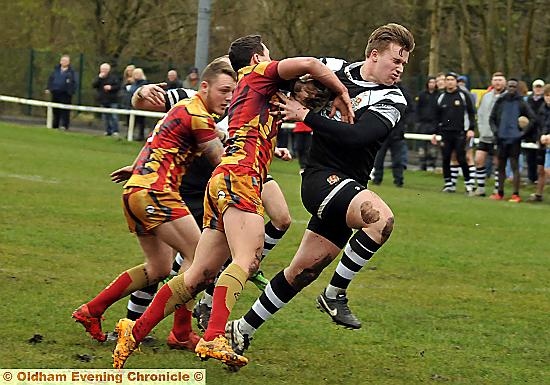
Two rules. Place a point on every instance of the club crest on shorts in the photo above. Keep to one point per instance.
(150, 209)
(221, 194)
(333, 179)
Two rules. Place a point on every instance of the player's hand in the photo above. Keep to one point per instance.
(289, 109)
(153, 93)
(282, 153)
(470, 134)
(342, 103)
(434, 139)
(545, 139)
(122, 174)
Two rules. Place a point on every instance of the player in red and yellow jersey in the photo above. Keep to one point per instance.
(233, 220)
(153, 207)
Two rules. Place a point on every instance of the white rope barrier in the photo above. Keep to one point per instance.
(133, 113)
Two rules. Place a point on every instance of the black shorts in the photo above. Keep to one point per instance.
(509, 150)
(195, 203)
(326, 195)
(489, 148)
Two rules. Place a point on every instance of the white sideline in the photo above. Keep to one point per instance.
(133, 113)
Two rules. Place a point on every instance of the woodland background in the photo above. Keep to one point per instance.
(473, 37)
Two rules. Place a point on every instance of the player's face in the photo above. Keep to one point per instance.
(390, 63)
(498, 83)
(219, 93)
(547, 99)
(431, 84)
(450, 83)
(64, 61)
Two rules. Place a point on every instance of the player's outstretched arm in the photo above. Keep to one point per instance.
(213, 150)
(150, 97)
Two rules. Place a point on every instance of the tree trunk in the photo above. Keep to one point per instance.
(433, 66)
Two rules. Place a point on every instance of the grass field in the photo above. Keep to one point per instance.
(459, 295)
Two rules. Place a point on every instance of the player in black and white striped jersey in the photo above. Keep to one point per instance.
(334, 185)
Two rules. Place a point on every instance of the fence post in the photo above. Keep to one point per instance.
(49, 117)
(31, 75)
(80, 74)
(131, 123)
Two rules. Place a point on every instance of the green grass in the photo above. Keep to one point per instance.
(459, 295)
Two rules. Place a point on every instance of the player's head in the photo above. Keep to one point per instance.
(451, 81)
(440, 81)
(498, 81)
(218, 81)
(247, 50)
(388, 51)
(311, 93)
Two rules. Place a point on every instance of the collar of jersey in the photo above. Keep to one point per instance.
(362, 83)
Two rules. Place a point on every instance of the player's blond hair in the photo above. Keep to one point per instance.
(383, 36)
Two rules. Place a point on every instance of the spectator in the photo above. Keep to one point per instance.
(486, 144)
(440, 81)
(543, 153)
(504, 123)
(172, 80)
(127, 81)
(535, 101)
(192, 79)
(62, 84)
(426, 122)
(107, 86)
(452, 107)
(139, 80)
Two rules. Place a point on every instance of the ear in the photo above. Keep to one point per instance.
(204, 86)
(374, 55)
(255, 58)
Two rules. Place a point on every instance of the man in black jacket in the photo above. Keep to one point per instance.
(535, 101)
(452, 105)
(62, 85)
(426, 117)
(107, 85)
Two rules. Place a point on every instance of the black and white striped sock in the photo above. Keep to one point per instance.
(275, 296)
(357, 252)
(272, 236)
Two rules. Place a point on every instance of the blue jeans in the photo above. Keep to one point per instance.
(110, 120)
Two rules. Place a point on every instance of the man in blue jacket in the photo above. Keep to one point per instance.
(505, 124)
(62, 84)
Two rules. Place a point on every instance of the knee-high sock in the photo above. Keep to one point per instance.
(182, 322)
(275, 296)
(172, 295)
(272, 236)
(228, 288)
(481, 174)
(127, 282)
(357, 252)
(454, 174)
(139, 300)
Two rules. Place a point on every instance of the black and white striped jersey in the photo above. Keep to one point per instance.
(175, 95)
(351, 148)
